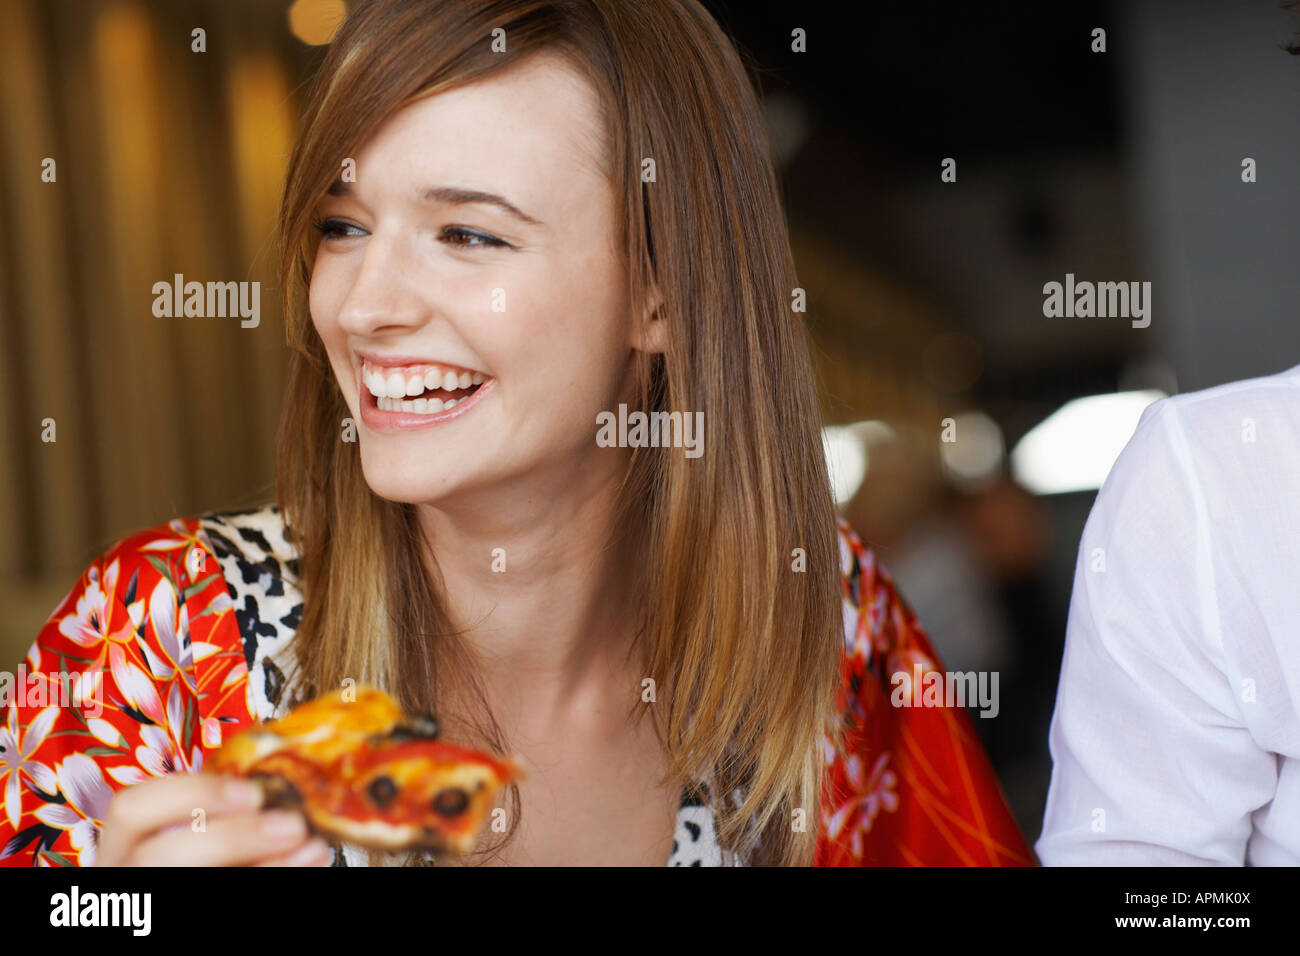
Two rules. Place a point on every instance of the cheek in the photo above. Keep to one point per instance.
(568, 351)
(574, 323)
(561, 353)
(323, 302)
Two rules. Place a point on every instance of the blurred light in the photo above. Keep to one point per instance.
(1074, 448)
(848, 453)
(848, 450)
(1148, 373)
(846, 458)
(260, 133)
(874, 433)
(314, 22)
(974, 459)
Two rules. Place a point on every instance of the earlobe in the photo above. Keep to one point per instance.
(655, 334)
(652, 332)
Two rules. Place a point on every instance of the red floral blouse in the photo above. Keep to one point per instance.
(150, 663)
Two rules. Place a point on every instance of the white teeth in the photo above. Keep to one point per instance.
(392, 390)
(451, 402)
(419, 406)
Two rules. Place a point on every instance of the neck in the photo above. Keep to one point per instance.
(543, 589)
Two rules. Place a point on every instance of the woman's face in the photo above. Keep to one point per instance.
(424, 284)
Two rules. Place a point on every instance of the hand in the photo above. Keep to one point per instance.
(151, 824)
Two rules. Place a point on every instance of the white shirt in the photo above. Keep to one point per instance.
(1176, 739)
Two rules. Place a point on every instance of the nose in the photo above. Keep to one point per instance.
(385, 294)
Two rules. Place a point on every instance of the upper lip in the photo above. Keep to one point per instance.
(396, 361)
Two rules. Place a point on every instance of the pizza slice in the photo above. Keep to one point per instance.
(364, 772)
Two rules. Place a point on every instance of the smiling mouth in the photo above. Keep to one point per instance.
(419, 389)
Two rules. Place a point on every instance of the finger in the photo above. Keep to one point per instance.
(315, 852)
(138, 811)
(226, 841)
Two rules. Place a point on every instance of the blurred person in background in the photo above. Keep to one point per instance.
(970, 561)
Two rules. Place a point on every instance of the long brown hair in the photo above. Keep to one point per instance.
(743, 625)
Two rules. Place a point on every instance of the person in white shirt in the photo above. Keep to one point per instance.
(1176, 739)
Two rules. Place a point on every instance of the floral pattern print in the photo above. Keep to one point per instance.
(147, 653)
(156, 667)
(915, 787)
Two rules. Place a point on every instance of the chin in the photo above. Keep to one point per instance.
(406, 483)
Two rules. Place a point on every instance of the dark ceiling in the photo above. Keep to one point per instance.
(913, 77)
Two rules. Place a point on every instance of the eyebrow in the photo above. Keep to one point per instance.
(452, 195)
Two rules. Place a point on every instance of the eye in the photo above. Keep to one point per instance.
(337, 229)
(451, 802)
(467, 238)
(382, 791)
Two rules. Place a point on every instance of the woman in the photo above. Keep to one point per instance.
(503, 224)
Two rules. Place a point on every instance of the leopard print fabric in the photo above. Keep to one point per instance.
(261, 572)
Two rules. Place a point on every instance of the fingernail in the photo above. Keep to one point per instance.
(315, 852)
(243, 794)
(284, 824)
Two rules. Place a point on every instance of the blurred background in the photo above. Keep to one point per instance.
(967, 431)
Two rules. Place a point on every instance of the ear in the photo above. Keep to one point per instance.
(650, 333)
